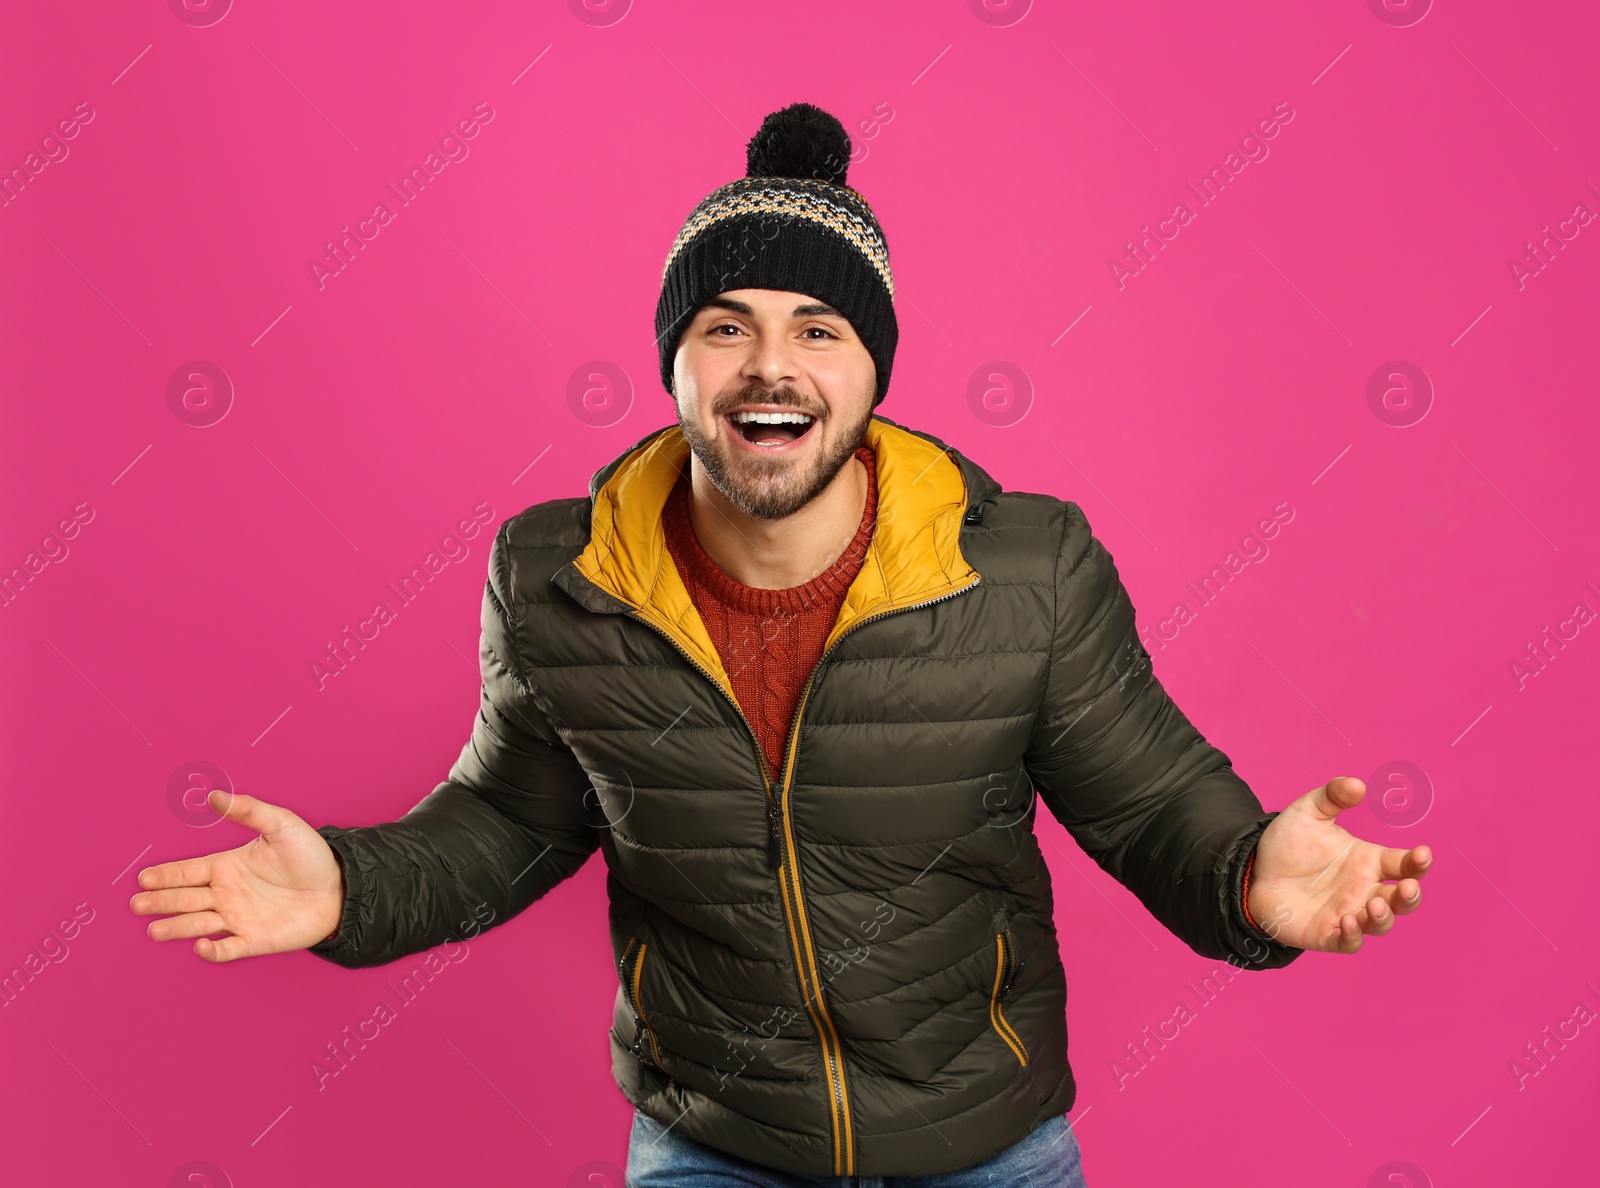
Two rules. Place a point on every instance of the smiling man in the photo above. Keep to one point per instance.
(773, 465)
(803, 677)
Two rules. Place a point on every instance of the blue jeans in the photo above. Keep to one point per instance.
(659, 1158)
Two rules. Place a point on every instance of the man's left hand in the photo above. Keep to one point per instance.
(1315, 886)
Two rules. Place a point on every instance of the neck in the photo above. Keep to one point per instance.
(777, 554)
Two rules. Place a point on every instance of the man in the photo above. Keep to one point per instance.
(797, 672)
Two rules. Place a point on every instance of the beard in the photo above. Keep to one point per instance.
(772, 488)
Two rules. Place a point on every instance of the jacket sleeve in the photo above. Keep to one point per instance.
(505, 827)
(1141, 791)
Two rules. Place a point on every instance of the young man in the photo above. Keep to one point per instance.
(798, 672)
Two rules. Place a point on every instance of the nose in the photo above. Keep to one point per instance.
(771, 361)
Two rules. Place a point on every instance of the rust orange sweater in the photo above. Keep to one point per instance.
(769, 640)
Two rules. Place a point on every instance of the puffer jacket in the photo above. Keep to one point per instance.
(852, 970)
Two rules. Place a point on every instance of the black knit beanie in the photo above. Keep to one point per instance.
(790, 224)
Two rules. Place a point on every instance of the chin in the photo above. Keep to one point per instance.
(772, 482)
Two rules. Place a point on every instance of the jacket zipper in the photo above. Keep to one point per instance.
(631, 971)
(820, 1023)
(844, 1155)
(781, 857)
(1005, 975)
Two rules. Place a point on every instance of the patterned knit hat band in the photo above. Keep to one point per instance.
(790, 225)
(777, 201)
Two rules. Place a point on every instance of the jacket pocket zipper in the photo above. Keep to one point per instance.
(631, 967)
(1005, 975)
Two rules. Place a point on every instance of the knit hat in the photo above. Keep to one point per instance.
(790, 224)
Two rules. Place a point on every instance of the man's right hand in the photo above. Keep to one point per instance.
(277, 893)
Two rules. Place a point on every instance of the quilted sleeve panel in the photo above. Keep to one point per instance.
(1136, 784)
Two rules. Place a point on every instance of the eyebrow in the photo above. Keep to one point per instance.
(800, 311)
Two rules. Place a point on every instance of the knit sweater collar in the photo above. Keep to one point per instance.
(828, 587)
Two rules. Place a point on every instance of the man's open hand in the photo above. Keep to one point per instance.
(276, 893)
(1315, 886)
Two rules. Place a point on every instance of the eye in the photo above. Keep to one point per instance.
(823, 329)
(723, 326)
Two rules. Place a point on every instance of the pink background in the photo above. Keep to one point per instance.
(1009, 164)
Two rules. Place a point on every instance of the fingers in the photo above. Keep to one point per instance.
(1395, 863)
(250, 812)
(235, 806)
(183, 927)
(1349, 938)
(1387, 904)
(1374, 920)
(167, 903)
(1377, 917)
(228, 948)
(191, 872)
(1380, 917)
(1338, 794)
(1403, 896)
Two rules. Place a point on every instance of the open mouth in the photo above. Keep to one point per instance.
(771, 430)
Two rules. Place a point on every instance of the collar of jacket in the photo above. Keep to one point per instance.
(926, 491)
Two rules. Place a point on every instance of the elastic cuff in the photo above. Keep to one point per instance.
(350, 915)
(338, 858)
(1244, 892)
(1261, 949)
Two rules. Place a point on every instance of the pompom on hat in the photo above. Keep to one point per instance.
(791, 224)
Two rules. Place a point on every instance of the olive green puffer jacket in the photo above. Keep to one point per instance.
(853, 970)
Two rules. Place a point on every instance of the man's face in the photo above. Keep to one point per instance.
(774, 395)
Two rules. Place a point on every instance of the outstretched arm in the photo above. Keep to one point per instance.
(504, 828)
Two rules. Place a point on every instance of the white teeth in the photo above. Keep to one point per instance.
(765, 418)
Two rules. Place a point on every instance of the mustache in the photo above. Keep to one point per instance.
(783, 396)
